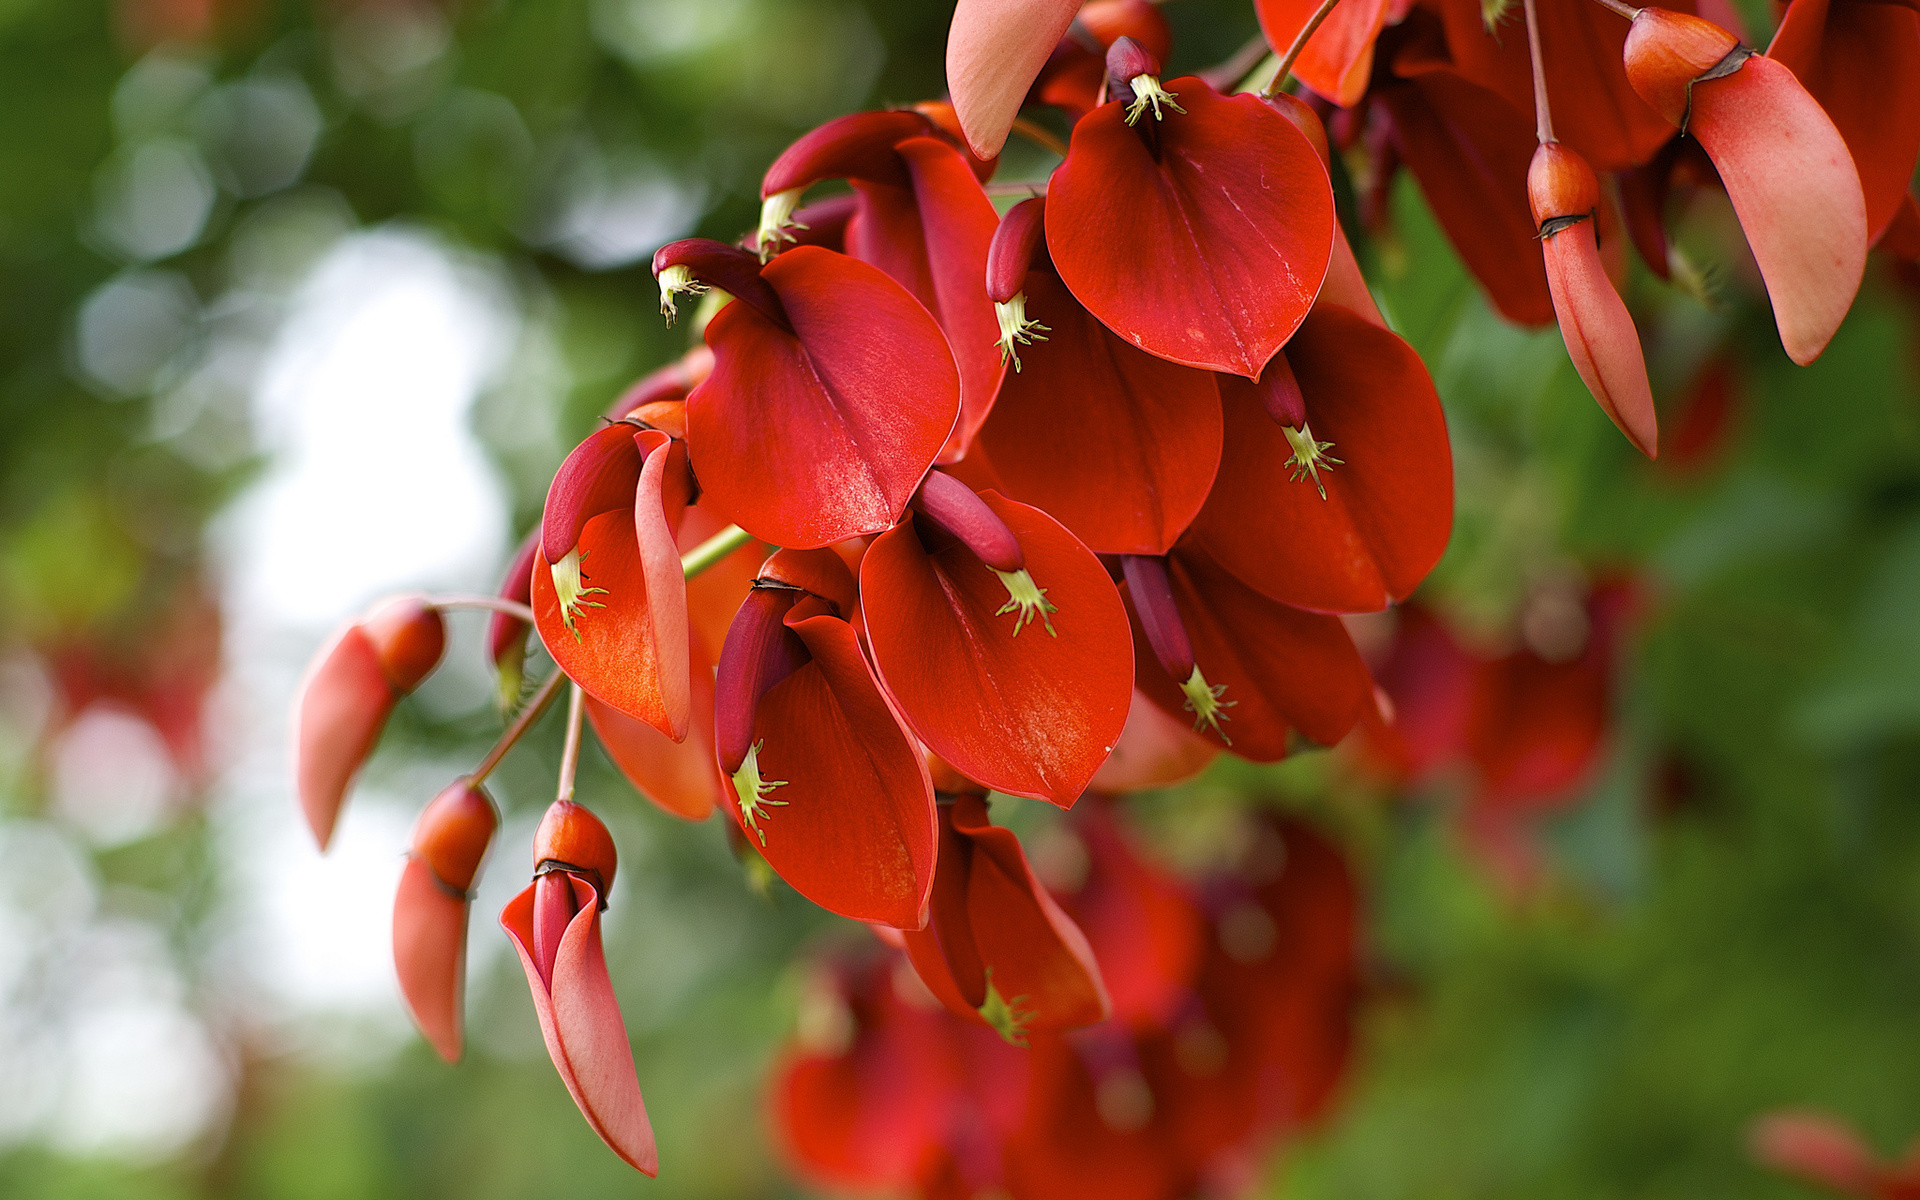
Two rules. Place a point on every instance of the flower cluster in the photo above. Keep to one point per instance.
(954, 501)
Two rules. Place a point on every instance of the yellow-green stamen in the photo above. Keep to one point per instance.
(1147, 91)
(1008, 1019)
(776, 217)
(753, 791)
(1309, 456)
(1204, 702)
(1016, 326)
(1026, 600)
(675, 281)
(569, 587)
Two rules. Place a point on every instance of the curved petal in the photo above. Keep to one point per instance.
(1207, 249)
(1115, 444)
(1145, 930)
(680, 777)
(585, 1035)
(1795, 189)
(931, 236)
(1068, 1148)
(1861, 61)
(627, 643)
(1388, 509)
(853, 826)
(1154, 751)
(430, 954)
(994, 50)
(1428, 680)
(714, 595)
(343, 704)
(1600, 335)
(1022, 712)
(862, 391)
(1338, 58)
(1279, 667)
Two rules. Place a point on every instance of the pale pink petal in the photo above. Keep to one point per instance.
(994, 50)
(1599, 333)
(430, 954)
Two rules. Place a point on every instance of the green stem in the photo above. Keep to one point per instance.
(529, 716)
(715, 548)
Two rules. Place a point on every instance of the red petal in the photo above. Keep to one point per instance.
(1281, 667)
(994, 50)
(862, 393)
(343, 704)
(430, 954)
(855, 831)
(581, 1023)
(597, 477)
(1209, 254)
(1388, 509)
(1068, 1149)
(1599, 333)
(1345, 285)
(931, 236)
(1154, 751)
(1143, 926)
(1817, 1147)
(1595, 110)
(1861, 61)
(1469, 150)
(855, 146)
(1028, 714)
(714, 595)
(1797, 194)
(1115, 444)
(1429, 681)
(680, 777)
(629, 647)
(1338, 58)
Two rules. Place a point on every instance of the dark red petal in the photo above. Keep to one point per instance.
(1428, 680)
(945, 954)
(1067, 1148)
(599, 476)
(1119, 446)
(585, 1035)
(1211, 253)
(1388, 509)
(1032, 713)
(852, 825)
(856, 146)
(1469, 150)
(1338, 58)
(1537, 727)
(1861, 61)
(931, 235)
(628, 644)
(809, 437)
(430, 954)
(507, 636)
(714, 595)
(1141, 921)
(1280, 666)
(342, 705)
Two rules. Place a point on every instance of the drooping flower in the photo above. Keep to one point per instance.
(1117, 445)
(1335, 490)
(611, 603)
(431, 907)
(812, 427)
(1194, 225)
(555, 928)
(349, 691)
(1001, 638)
(996, 948)
(818, 772)
(919, 215)
(1598, 331)
(1785, 167)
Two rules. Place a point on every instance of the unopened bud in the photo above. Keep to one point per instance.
(1668, 52)
(453, 834)
(408, 637)
(1560, 185)
(571, 838)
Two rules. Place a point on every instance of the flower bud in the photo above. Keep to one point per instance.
(453, 833)
(408, 637)
(1667, 52)
(1560, 184)
(571, 838)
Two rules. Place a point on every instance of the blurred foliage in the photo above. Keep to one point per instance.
(1731, 920)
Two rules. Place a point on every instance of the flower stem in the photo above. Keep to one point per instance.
(1224, 76)
(570, 749)
(1542, 113)
(499, 604)
(1279, 80)
(1040, 136)
(715, 548)
(529, 716)
(1626, 10)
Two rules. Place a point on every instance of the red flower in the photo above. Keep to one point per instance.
(555, 927)
(430, 910)
(1349, 410)
(1337, 60)
(996, 947)
(348, 693)
(920, 216)
(812, 427)
(818, 771)
(1196, 226)
(1002, 640)
(1117, 445)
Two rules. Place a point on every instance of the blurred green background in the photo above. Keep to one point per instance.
(1729, 918)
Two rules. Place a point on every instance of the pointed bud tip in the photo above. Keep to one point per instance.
(1667, 51)
(454, 831)
(571, 835)
(408, 636)
(1560, 184)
